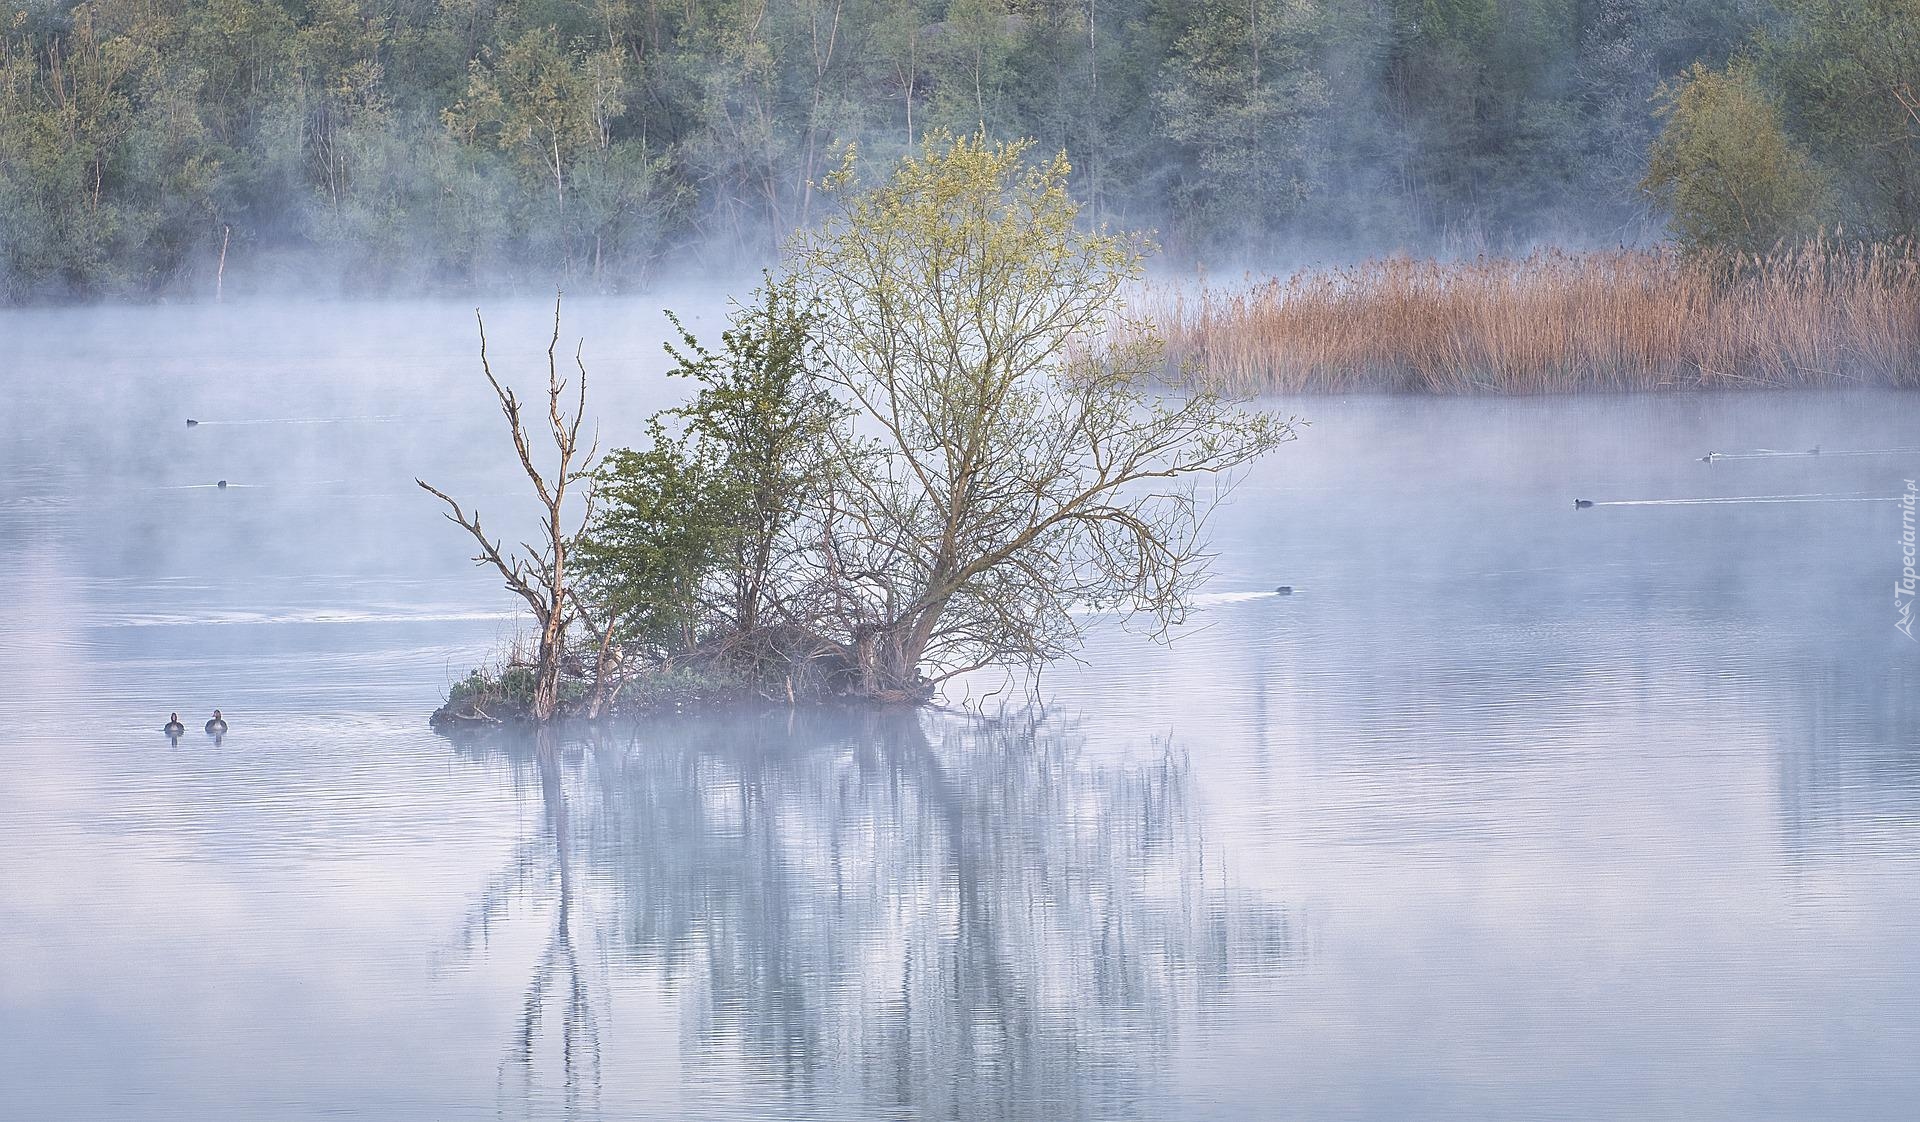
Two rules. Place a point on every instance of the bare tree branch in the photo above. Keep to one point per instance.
(538, 574)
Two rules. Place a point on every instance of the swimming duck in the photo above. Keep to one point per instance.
(1284, 590)
(216, 724)
(1582, 504)
(174, 727)
(222, 484)
(191, 422)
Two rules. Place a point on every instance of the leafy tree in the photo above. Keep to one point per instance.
(693, 539)
(658, 535)
(544, 102)
(1002, 470)
(66, 111)
(626, 200)
(1626, 49)
(1241, 94)
(968, 54)
(765, 421)
(1725, 167)
(1849, 75)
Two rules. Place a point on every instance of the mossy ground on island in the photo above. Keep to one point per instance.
(503, 698)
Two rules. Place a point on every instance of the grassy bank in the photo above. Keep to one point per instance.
(1557, 322)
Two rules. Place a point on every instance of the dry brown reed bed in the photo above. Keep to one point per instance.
(1556, 322)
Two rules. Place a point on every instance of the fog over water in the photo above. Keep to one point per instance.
(1511, 809)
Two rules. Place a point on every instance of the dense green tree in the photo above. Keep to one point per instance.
(694, 528)
(658, 535)
(1849, 74)
(67, 113)
(543, 102)
(1725, 167)
(1240, 94)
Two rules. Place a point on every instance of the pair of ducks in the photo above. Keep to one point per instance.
(216, 725)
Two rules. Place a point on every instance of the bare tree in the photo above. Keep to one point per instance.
(539, 574)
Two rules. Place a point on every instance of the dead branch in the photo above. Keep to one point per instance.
(539, 574)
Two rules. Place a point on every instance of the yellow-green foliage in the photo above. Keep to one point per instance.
(973, 211)
(1725, 167)
(543, 101)
(1002, 468)
(1848, 75)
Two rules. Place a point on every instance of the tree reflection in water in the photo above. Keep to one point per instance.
(885, 913)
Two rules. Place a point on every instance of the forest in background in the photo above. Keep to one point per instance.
(167, 146)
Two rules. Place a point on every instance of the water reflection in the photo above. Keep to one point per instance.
(559, 988)
(1849, 781)
(887, 913)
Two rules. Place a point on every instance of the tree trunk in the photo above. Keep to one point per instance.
(887, 667)
(546, 680)
(890, 657)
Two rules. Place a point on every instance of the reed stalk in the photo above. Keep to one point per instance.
(1822, 314)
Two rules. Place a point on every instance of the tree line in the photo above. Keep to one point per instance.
(156, 146)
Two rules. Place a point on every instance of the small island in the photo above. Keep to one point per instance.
(931, 443)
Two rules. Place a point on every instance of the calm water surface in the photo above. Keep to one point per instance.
(1511, 811)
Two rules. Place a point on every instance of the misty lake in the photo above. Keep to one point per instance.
(1510, 810)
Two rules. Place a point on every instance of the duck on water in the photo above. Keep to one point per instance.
(173, 726)
(216, 724)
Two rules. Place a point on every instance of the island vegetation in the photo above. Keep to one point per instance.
(919, 451)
